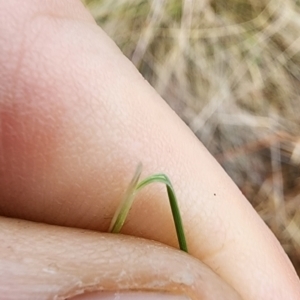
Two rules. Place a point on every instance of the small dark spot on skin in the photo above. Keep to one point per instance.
(215, 194)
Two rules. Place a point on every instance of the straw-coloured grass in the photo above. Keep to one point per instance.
(231, 70)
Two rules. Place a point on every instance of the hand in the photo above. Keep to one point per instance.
(76, 118)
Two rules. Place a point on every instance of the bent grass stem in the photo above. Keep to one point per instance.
(123, 209)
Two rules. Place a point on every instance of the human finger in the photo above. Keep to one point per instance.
(77, 118)
(41, 261)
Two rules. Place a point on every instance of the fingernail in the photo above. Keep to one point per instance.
(129, 296)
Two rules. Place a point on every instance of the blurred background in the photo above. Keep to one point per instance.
(231, 71)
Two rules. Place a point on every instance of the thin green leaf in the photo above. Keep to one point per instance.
(122, 211)
(124, 207)
(162, 178)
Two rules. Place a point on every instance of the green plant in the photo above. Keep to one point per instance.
(134, 186)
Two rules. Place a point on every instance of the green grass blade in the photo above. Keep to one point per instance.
(162, 178)
(177, 219)
(124, 207)
(122, 211)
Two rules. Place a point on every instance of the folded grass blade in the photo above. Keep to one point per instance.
(134, 186)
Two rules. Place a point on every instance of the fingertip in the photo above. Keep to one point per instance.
(40, 261)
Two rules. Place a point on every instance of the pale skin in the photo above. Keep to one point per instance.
(76, 118)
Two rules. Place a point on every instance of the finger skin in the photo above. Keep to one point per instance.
(76, 118)
(41, 261)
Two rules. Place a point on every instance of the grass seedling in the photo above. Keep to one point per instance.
(123, 209)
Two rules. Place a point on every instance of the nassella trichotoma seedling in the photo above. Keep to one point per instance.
(134, 186)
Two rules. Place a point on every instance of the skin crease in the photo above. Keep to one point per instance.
(76, 118)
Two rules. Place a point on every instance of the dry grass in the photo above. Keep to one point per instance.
(231, 70)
